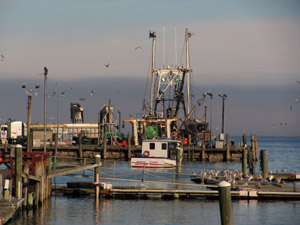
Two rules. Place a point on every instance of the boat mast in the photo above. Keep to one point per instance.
(187, 36)
(153, 36)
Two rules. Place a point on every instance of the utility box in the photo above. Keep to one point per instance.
(219, 144)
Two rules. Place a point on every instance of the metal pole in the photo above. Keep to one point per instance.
(45, 106)
(223, 96)
(28, 124)
(57, 121)
(210, 117)
(223, 108)
(119, 120)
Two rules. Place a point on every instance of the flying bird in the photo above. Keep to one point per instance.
(93, 92)
(138, 47)
(82, 99)
(2, 58)
(298, 82)
(107, 65)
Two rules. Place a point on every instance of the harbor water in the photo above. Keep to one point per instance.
(283, 155)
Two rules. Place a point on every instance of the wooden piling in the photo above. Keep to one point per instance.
(80, 145)
(178, 161)
(36, 187)
(244, 162)
(264, 163)
(256, 149)
(227, 148)
(129, 147)
(18, 166)
(225, 203)
(97, 177)
(253, 146)
(203, 151)
(104, 146)
(1, 186)
(49, 191)
(244, 139)
(30, 200)
(25, 185)
(7, 189)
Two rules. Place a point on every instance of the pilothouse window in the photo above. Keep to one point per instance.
(152, 146)
(164, 146)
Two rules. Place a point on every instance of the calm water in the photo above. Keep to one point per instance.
(283, 153)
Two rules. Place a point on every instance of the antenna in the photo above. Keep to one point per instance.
(164, 57)
(175, 60)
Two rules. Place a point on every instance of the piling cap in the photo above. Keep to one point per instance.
(224, 184)
(98, 156)
(19, 146)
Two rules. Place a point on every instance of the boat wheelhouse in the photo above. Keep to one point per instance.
(159, 153)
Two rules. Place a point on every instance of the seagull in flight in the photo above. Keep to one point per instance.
(138, 47)
(2, 58)
(298, 82)
(93, 92)
(82, 99)
(107, 65)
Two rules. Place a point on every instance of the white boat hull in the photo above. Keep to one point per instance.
(151, 162)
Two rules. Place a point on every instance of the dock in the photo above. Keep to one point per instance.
(9, 208)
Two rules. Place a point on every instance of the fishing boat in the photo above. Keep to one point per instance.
(159, 153)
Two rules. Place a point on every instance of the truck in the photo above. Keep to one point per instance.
(16, 133)
(3, 135)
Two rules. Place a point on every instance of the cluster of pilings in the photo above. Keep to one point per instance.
(27, 177)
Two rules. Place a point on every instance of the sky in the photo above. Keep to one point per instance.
(247, 49)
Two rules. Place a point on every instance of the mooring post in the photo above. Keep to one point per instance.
(80, 145)
(253, 146)
(225, 203)
(244, 161)
(30, 200)
(104, 146)
(1, 186)
(97, 176)
(143, 178)
(227, 148)
(49, 179)
(244, 140)
(203, 151)
(178, 160)
(25, 182)
(129, 147)
(18, 164)
(114, 169)
(264, 163)
(256, 149)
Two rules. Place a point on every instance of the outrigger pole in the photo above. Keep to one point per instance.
(187, 36)
(153, 36)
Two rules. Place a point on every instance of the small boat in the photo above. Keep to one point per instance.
(159, 153)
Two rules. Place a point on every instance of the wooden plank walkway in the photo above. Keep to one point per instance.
(72, 170)
(8, 209)
(244, 194)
